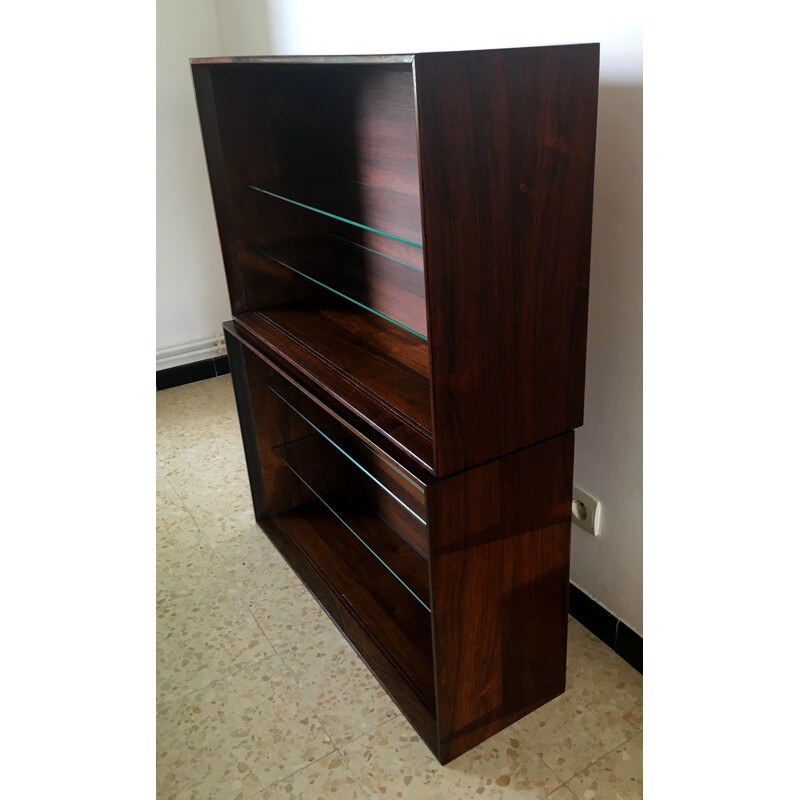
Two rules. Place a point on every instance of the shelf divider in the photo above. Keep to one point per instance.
(373, 208)
(385, 544)
(384, 286)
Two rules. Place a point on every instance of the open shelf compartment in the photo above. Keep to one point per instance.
(388, 627)
(357, 519)
(388, 287)
(379, 470)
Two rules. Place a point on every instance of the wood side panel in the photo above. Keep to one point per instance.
(506, 143)
(247, 425)
(266, 423)
(499, 540)
(220, 188)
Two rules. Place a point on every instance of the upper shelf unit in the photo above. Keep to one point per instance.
(409, 237)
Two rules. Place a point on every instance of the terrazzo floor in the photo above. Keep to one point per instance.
(259, 696)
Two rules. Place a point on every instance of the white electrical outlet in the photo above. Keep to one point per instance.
(585, 511)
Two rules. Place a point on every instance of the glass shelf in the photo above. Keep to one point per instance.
(385, 608)
(382, 211)
(384, 286)
(307, 459)
(385, 475)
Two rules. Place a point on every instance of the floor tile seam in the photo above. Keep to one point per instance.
(558, 788)
(225, 677)
(351, 773)
(297, 686)
(180, 499)
(396, 714)
(230, 625)
(292, 774)
(372, 730)
(605, 755)
(529, 738)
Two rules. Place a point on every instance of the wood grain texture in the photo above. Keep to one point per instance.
(370, 423)
(506, 143)
(499, 590)
(351, 401)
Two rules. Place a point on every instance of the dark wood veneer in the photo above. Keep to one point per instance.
(406, 241)
(506, 143)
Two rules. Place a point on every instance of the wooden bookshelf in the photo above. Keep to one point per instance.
(406, 243)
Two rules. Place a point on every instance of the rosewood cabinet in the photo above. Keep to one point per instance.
(406, 242)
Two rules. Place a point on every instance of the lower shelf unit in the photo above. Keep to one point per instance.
(452, 590)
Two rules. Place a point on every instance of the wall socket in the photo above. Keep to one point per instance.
(585, 511)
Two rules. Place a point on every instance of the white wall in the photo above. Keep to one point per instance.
(608, 458)
(243, 27)
(191, 299)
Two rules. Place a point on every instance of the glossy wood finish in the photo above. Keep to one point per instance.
(419, 485)
(369, 421)
(383, 379)
(500, 575)
(506, 143)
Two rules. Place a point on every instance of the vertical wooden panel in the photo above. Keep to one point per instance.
(506, 142)
(247, 424)
(220, 189)
(499, 539)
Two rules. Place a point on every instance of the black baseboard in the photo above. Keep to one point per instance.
(189, 373)
(606, 627)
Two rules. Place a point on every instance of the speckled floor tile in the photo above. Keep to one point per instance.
(238, 721)
(392, 761)
(185, 557)
(346, 697)
(201, 449)
(326, 779)
(600, 710)
(617, 776)
(282, 605)
(237, 736)
(213, 492)
(204, 638)
(240, 544)
(184, 408)
(220, 390)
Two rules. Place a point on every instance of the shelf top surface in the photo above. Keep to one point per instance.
(398, 58)
(375, 59)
